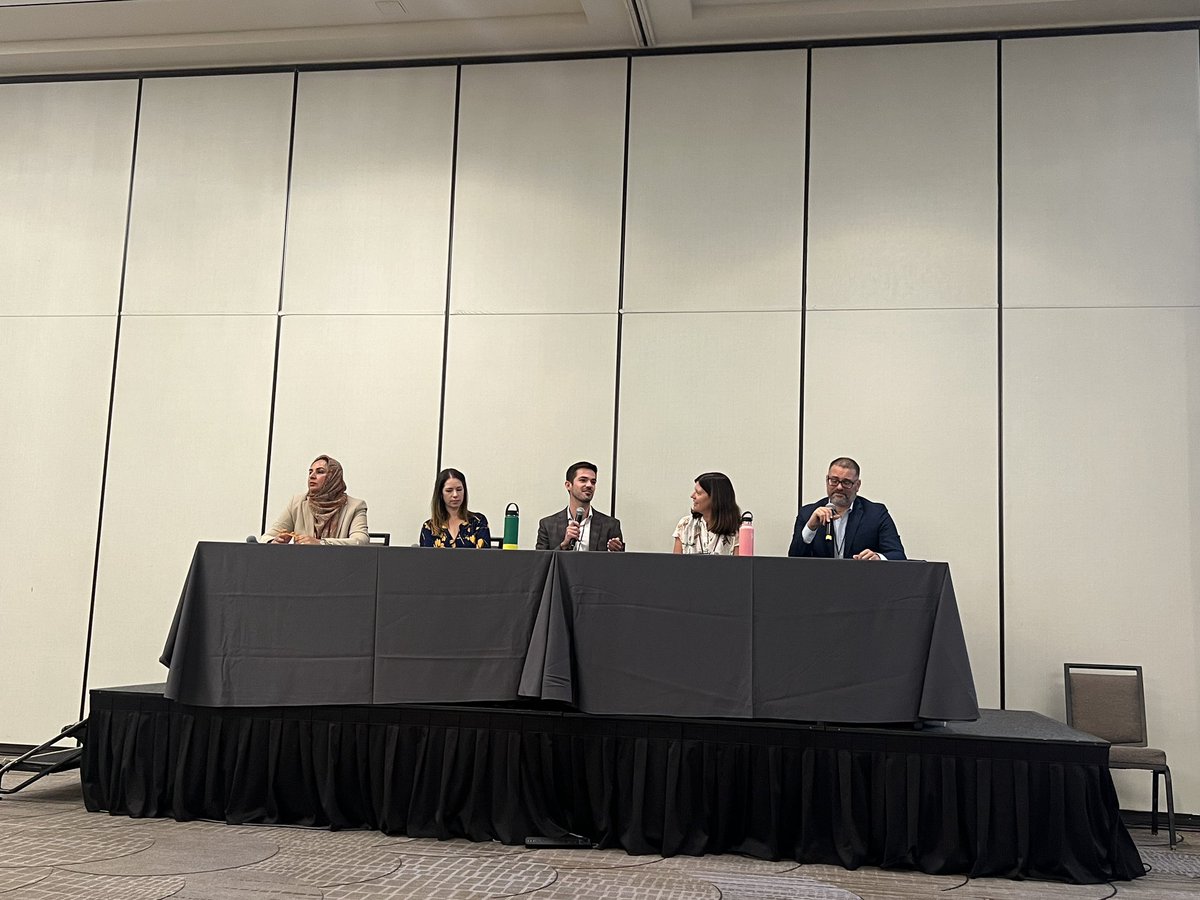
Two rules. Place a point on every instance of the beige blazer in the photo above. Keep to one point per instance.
(296, 516)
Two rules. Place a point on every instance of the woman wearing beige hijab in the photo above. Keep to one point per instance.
(324, 515)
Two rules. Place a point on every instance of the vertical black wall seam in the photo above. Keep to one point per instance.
(612, 506)
(112, 396)
(804, 276)
(449, 264)
(1000, 359)
(287, 208)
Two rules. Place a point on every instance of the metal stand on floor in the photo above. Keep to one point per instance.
(46, 759)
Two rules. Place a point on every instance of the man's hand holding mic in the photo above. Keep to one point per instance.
(574, 530)
(822, 516)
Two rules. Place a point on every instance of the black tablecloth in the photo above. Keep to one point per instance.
(614, 634)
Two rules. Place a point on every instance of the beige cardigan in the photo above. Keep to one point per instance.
(296, 516)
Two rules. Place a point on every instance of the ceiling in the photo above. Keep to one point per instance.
(39, 37)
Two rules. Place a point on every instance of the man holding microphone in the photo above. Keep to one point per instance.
(845, 525)
(579, 527)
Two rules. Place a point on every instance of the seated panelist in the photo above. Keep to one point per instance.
(711, 527)
(845, 525)
(579, 527)
(326, 514)
(451, 523)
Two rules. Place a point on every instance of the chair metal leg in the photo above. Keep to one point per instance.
(1170, 805)
(1154, 802)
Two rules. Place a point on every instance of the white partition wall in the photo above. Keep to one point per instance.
(705, 392)
(911, 395)
(531, 354)
(1101, 171)
(902, 203)
(66, 153)
(209, 195)
(369, 205)
(710, 353)
(900, 348)
(537, 218)
(188, 450)
(366, 389)
(527, 396)
(1101, 500)
(64, 193)
(54, 429)
(1101, 192)
(716, 182)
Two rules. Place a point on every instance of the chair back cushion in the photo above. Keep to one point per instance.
(1108, 706)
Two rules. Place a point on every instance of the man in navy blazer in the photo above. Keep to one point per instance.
(845, 525)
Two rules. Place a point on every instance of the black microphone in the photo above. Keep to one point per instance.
(251, 539)
(578, 520)
(829, 524)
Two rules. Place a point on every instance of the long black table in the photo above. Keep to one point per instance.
(610, 634)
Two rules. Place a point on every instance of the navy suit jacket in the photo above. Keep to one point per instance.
(869, 527)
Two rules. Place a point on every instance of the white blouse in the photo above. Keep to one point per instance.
(695, 537)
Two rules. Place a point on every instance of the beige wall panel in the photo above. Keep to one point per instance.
(902, 203)
(209, 195)
(187, 463)
(526, 396)
(1102, 514)
(716, 182)
(64, 190)
(54, 382)
(369, 210)
(537, 218)
(708, 392)
(380, 421)
(912, 396)
(1102, 171)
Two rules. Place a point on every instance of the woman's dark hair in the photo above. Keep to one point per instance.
(439, 515)
(726, 517)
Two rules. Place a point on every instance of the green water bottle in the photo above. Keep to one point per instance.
(512, 524)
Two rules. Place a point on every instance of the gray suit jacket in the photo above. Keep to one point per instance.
(553, 528)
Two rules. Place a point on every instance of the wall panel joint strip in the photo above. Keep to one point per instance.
(449, 266)
(112, 395)
(612, 505)
(287, 205)
(1000, 362)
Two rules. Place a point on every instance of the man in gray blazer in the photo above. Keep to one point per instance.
(579, 527)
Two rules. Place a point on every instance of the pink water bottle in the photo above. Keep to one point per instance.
(746, 535)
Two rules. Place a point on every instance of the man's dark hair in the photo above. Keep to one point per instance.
(845, 462)
(575, 467)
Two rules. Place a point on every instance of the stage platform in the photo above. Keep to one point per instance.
(1014, 794)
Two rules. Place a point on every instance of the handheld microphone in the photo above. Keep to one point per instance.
(578, 520)
(829, 524)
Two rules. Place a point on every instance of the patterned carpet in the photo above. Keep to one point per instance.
(50, 847)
